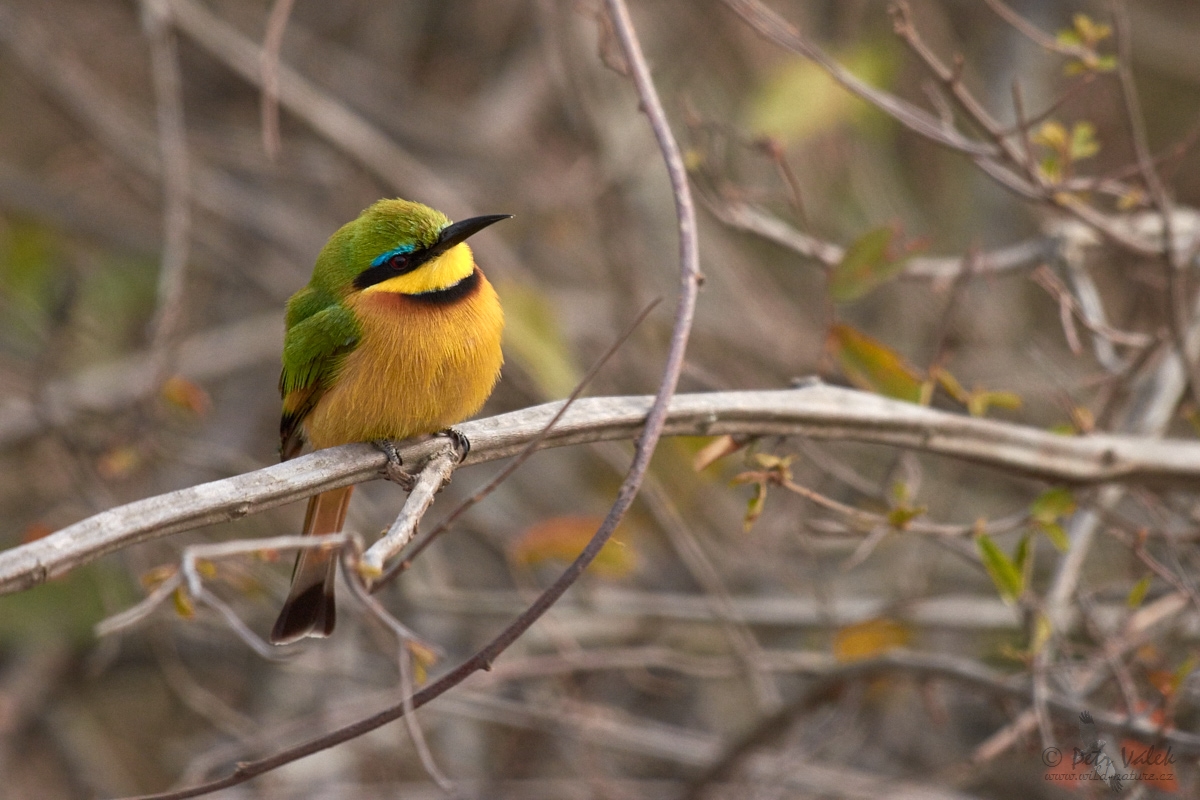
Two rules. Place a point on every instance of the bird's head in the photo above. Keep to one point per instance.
(403, 247)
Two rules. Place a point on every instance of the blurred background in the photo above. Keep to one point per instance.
(694, 641)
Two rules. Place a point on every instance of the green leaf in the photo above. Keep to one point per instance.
(1182, 672)
(1021, 558)
(981, 400)
(1068, 38)
(869, 262)
(1083, 141)
(1004, 572)
(899, 518)
(1052, 505)
(1138, 593)
(1051, 134)
(871, 365)
(754, 508)
(1042, 629)
(1089, 31)
(1055, 533)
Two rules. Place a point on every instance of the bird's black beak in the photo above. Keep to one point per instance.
(459, 232)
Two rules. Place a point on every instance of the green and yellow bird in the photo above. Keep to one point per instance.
(397, 334)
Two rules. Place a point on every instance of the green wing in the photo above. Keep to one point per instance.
(319, 335)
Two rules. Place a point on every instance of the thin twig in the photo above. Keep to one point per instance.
(1055, 288)
(1036, 34)
(272, 43)
(172, 142)
(686, 545)
(1177, 291)
(188, 571)
(750, 219)
(432, 477)
(521, 457)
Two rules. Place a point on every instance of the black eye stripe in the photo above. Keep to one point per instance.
(399, 264)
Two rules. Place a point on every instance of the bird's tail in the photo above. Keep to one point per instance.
(309, 608)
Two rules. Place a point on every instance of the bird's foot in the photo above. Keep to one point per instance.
(459, 441)
(394, 469)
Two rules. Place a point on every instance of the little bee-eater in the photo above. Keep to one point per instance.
(397, 334)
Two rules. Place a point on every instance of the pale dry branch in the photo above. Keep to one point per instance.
(433, 475)
(745, 217)
(272, 42)
(817, 412)
(188, 577)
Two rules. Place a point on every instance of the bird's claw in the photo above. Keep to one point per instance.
(459, 441)
(394, 469)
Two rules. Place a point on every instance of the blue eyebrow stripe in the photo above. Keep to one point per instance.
(395, 251)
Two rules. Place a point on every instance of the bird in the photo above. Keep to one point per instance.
(397, 334)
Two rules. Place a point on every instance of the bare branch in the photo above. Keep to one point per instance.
(818, 412)
(433, 475)
(272, 42)
(745, 217)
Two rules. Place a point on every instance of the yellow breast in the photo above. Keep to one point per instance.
(422, 364)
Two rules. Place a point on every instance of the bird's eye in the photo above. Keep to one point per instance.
(399, 261)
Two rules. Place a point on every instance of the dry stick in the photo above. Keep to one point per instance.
(1036, 34)
(172, 142)
(750, 219)
(818, 412)
(521, 457)
(1149, 412)
(655, 421)
(1046, 278)
(188, 575)
(832, 680)
(1024, 124)
(272, 43)
(1176, 289)
(1027, 181)
(433, 475)
(771, 26)
(111, 387)
(1155, 415)
(1133, 634)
